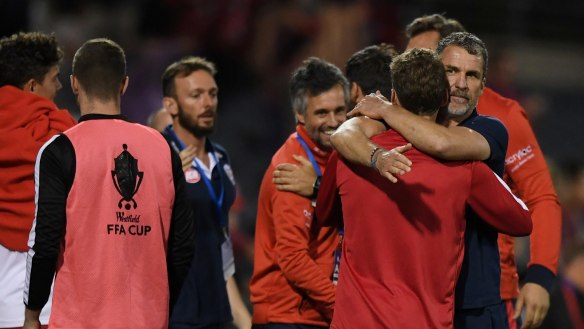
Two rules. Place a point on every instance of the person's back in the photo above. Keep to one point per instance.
(112, 219)
(404, 242)
(121, 249)
(413, 258)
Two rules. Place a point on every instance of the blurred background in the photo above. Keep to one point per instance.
(536, 56)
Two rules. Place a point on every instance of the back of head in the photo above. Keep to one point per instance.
(469, 42)
(419, 80)
(435, 22)
(100, 67)
(312, 78)
(182, 68)
(369, 69)
(25, 56)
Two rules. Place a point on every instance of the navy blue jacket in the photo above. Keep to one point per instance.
(203, 300)
(479, 284)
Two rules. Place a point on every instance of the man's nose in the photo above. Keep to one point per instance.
(335, 119)
(461, 81)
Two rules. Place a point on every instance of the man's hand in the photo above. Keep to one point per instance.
(536, 301)
(296, 178)
(31, 319)
(372, 106)
(186, 156)
(393, 163)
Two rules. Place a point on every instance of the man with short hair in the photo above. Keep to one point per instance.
(29, 81)
(393, 274)
(210, 297)
(368, 71)
(529, 179)
(112, 223)
(465, 58)
(291, 286)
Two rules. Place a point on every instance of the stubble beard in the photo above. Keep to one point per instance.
(192, 126)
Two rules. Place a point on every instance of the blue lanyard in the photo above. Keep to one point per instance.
(309, 153)
(217, 202)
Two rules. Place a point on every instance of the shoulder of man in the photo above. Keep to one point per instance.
(493, 104)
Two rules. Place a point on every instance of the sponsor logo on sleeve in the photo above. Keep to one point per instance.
(519, 158)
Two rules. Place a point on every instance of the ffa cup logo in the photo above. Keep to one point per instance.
(127, 178)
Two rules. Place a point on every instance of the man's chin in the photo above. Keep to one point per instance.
(458, 112)
(325, 145)
(202, 131)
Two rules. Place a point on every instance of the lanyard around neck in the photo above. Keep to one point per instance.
(217, 201)
(310, 155)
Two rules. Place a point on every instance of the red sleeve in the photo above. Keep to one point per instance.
(527, 173)
(493, 202)
(292, 222)
(328, 202)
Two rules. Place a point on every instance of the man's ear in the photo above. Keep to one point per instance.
(299, 118)
(394, 99)
(74, 84)
(356, 92)
(29, 85)
(125, 85)
(170, 104)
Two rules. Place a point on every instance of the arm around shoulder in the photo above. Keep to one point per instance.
(351, 139)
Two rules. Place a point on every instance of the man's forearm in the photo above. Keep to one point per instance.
(31, 319)
(352, 142)
(454, 143)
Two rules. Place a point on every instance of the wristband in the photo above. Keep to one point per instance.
(373, 160)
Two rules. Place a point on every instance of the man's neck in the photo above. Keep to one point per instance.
(189, 138)
(95, 106)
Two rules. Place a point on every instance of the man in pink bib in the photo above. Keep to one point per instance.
(112, 218)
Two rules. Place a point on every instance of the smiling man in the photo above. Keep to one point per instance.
(291, 285)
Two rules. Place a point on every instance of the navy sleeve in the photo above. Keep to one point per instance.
(54, 173)
(182, 233)
(496, 135)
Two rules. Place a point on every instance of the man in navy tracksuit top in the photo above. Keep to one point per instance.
(190, 97)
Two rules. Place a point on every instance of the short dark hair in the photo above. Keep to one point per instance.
(435, 22)
(25, 56)
(469, 42)
(100, 67)
(314, 77)
(183, 68)
(369, 69)
(419, 80)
